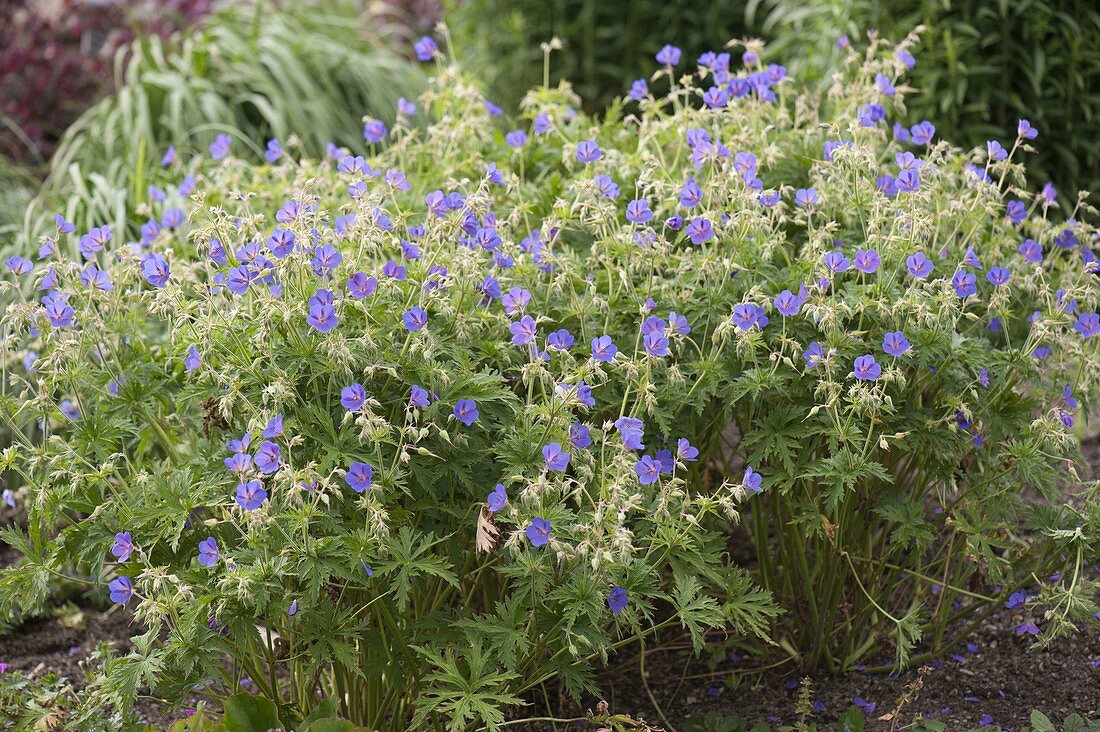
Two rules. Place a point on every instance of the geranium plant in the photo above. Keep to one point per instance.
(422, 431)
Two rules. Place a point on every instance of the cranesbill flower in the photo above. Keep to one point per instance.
(93, 276)
(1031, 251)
(895, 344)
(970, 258)
(923, 132)
(155, 269)
(631, 429)
(805, 197)
(746, 316)
(866, 261)
(420, 397)
(588, 151)
(617, 599)
(656, 344)
(94, 241)
(524, 331)
(274, 151)
(787, 303)
(560, 340)
(638, 211)
(208, 552)
(193, 359)
(919, 265)
(638, 90)
(555, 457)
(1016, 599)
(903, 55)
(425, 48)
(121, 589)
(251, 495)
(516, 139)
(465, 411)
(415, 319)
(325, 259)
(836, 262)
(699, 230)
(515, 300)
(322, 311)
(123, 546)
(996, 151)
(1025, 131)
(361, 286)
(648, 470)
(686, 451)
(360, 476)
(57, 308)
(1027, 628)
(580, 436)
(268, 457)
(603, 348)
(374, 131)
(690, 195)
(395, 271)
(238, 279)
(716, 97)
(964, 283)
(669, 55)
(274, 427)
(18, 265)
(1088, 324)
(498, 499)
(983, 378)
(238, 462)
(998, 276)
(538, 532)
(866, 368)
(219, 148)
(908, 181)
(678, 324)
(814, 354)
(1016, 211)
(542, 123)
(169, 156)
(753, 481)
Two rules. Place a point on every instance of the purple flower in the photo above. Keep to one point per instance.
(690, 195)
(251, 495)
(238, 462)
(603, 348)
(617, 599)
(588, 151)
(678, 324)
(538, 532)
(268, 457)
(638, 90)
(219, 148)
(1027, 628)
(555, 457)
(668, 55)
(631, 429)
(699, 230)
(123, 546)
(752, 481)
(1025, 131)
(515, 300)
(524, 331)
(998, 276)
(121, 589)
(1088, 324)
(93, 276)
(208, 552)
(995, 151)
(360, 476)
(814, 355)
(805, 197)
(648, 470)
(94, 241)
(420, 397)
(788, 304)
(542, 123)
(638, 212)
(58, 310)
(560, 340)
(866, 706)
(353, 397)
(1031, 251)
(866, 261)
(905, 57)
(866, 368)
(498, 499)
(325, 259)
(273, 152)
(155, 269)
(361, 286)
(415, 319)
(964, 283)
(169, 156)
(238, 279)
(274, 427)
(580, 436)
(895, 344)
(656, 344)
(919, 265)
(746, 316)
(908, 181)
(516, 139)
(322, 311)
(686, 451)
(465, 411)
(18, 265)
(923, 132)
(1016, 211)
(192, 360)
(374, 131)
(836, 262)
(425, 48)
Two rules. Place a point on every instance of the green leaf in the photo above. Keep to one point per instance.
(247, 713)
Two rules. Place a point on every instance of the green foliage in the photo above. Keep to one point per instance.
(885, 508)
(980, 67)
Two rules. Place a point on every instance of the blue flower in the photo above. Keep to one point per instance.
(121, 589)
(919, 265)
(836, 262)
(691, 195)
(425, 48)
(747, 316)
(998, 276)
(58, 310)
(895, 343)
(516, 139)
(588, 151)
(274, 427)
(580, 436)
(631, 429)
(273, 152)
(420, 397)
(268, 457)
(867, 261)
(638, 90)
(94, 241)
(155, 269)
(923, 132)
(866, 368)
(656, 344)
(322, 311)
(524, 331)
(498, 499)
(208, 552)
(123, 546)
(699, 230)
(560, 340)
(995, 150)
(360, 476)
(814, 354)
(538, 532)
(787, 303)
(555, 457)
(752, 481)
(638, 211)
(193, 359)
(617, 599)
(360, 286)
(1025, 131)
(415, 319)
(251, 495)
(669, 55)
(648, 470)
(219, 148)
(465, 411)
(1088, 324)
(374, 131)
(805, 197)
(603, 348)
(964, 283)
(18, 265)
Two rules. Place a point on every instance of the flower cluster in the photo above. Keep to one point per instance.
(488, 369)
